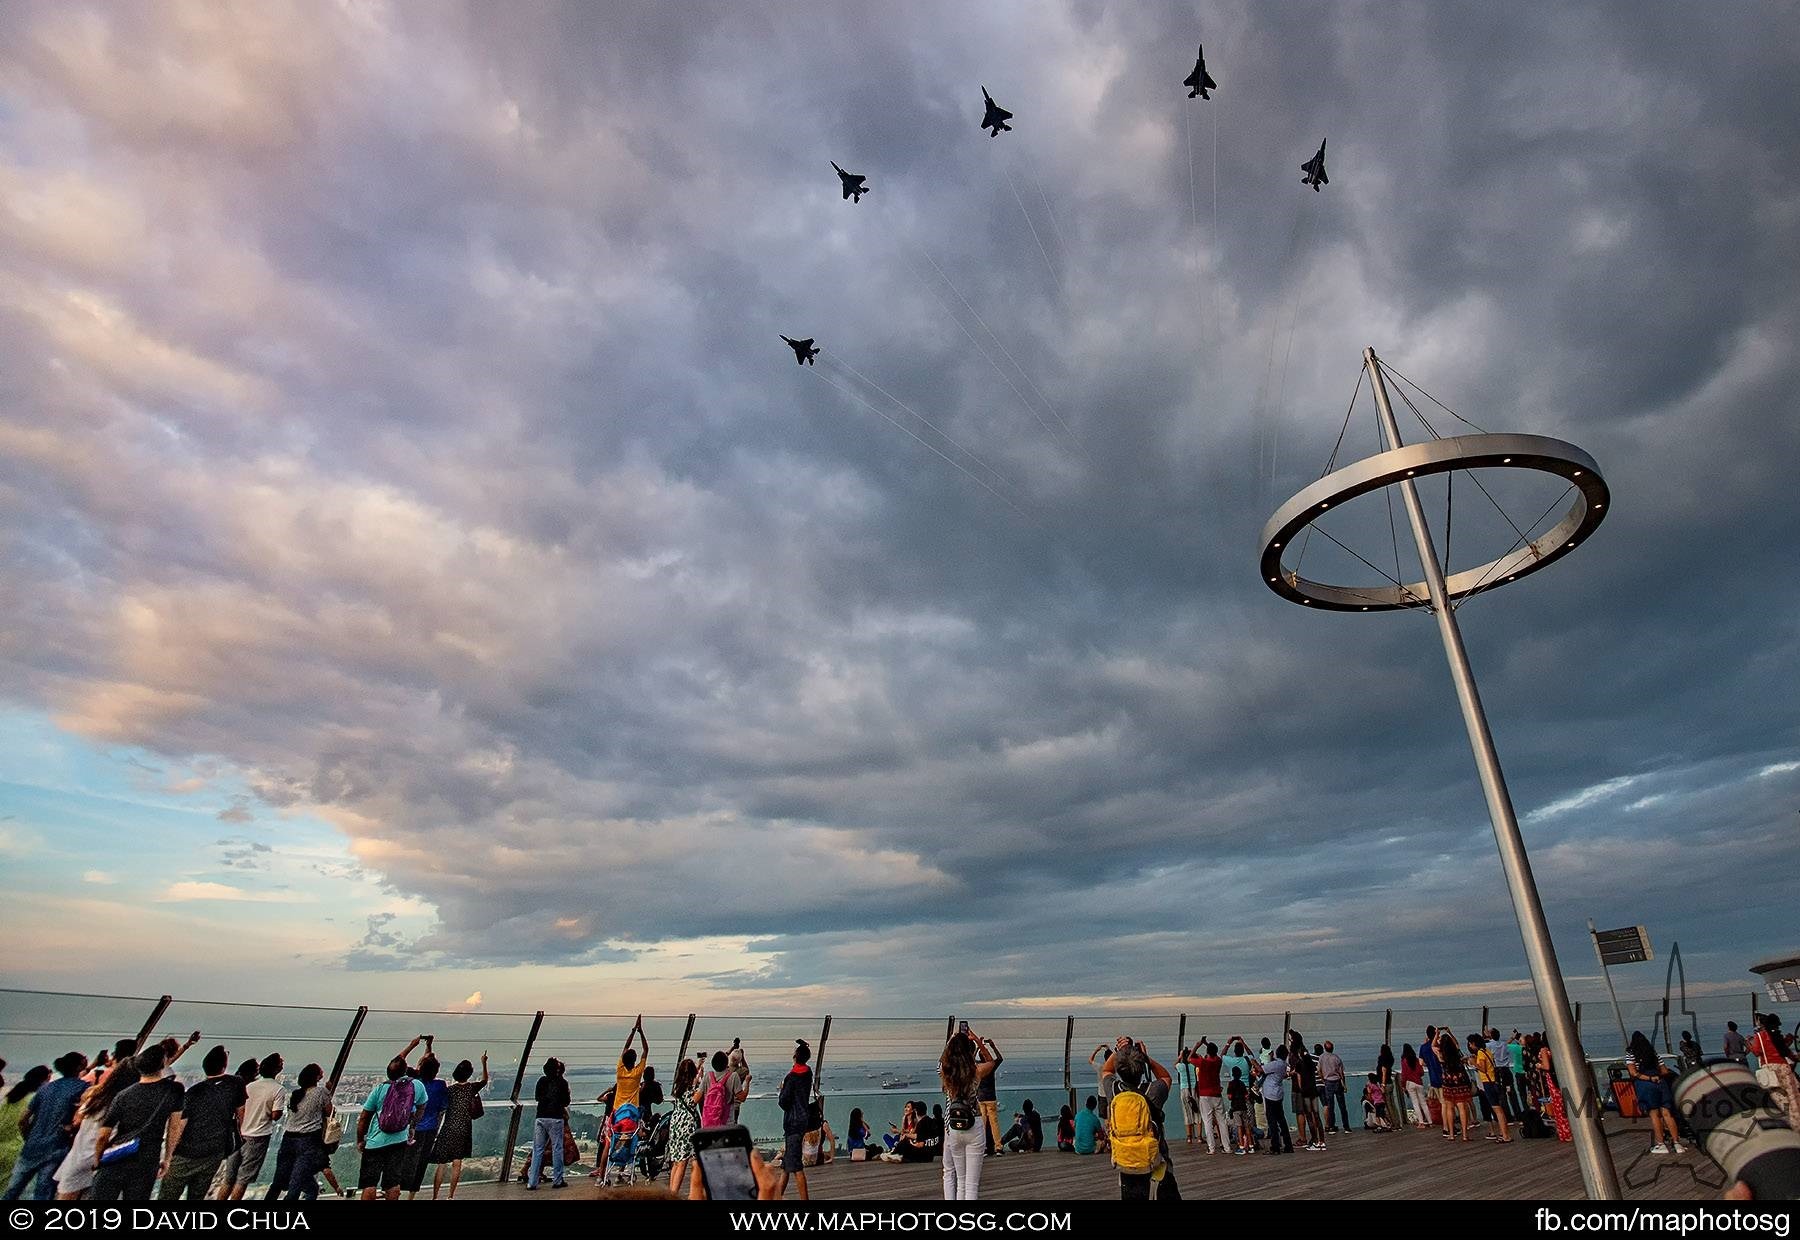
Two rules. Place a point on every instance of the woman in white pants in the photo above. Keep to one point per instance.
(963, 1065)
(1412, 1080)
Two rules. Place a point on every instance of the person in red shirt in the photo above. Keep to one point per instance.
(1210, 1094)
(1774, 1067)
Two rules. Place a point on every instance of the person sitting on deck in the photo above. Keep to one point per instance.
(1026, 1136)
(903, 1131)
(857, 1135)
(1090, 1129)
(930, 1134)
(1065, 1131)
(820, 1146)
(914, 1142)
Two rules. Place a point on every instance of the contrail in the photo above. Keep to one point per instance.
(857, 397)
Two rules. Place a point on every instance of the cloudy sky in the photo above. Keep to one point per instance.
(425, 571)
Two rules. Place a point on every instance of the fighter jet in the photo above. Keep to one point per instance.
(804, 351)
(1314, 169)
(996, 116)
(1200, 79)
(854, 184)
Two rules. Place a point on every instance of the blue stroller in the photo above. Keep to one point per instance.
(622, 1137)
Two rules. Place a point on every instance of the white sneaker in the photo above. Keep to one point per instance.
(1680, 1148)
(1660, 1149)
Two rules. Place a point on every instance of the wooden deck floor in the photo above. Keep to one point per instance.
(1364, 1165)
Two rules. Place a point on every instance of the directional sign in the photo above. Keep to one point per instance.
(1629, 945)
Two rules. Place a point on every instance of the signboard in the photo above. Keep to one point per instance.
(1630, 945)
(1783, 989)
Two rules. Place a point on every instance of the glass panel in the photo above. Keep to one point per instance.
(872, 1064)
(36, 1027)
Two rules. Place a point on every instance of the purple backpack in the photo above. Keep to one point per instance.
(396, 1112)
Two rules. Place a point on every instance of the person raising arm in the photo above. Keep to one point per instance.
(630, 1075)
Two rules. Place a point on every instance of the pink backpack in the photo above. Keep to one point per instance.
(715, 1103)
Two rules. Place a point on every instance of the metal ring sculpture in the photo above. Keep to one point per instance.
(1420, 460)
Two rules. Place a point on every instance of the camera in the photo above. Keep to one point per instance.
(1740, 1129)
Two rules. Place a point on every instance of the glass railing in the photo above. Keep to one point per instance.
(872, 1064)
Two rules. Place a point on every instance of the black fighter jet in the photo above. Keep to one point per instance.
(1314, 169)
(995, 117)
(1200, 79)
(804, 351)
(855, 185)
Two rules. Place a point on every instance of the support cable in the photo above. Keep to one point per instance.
(1331, 461)
(1428, 396)
(1517, 542)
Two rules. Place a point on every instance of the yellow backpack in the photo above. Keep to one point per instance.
(1132, 1133)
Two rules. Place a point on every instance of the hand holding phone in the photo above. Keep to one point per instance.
(723, 1156)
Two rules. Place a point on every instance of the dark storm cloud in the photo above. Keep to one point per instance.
(412, 432)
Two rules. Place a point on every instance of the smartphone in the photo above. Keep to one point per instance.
(724, 1158)
(962, 1028)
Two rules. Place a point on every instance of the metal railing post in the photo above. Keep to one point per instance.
(949, 1027)
(1181, 1048)
(1068, 1049)
(156, 1014)
(343, 1056)
(1484, 1015)
(687, 1036)
(1287, 1022)
(512, 1124)
(1387, 1028)
(819, 1059)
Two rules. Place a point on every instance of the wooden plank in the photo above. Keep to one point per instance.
(1377, 1166)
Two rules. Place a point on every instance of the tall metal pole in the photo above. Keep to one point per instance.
(1180, 1057)
(156, 1014)
(343, 1056)
(1068, 1048)
(1597, 1171)
(687, 1035)
(512, 1123)
(819, 1059)
(1594, 934)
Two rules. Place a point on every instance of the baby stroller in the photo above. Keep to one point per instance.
(653, 1150)
(621, 1139)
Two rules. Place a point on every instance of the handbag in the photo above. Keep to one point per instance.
(476, 1110)
(119, 1152)
(860, 1154)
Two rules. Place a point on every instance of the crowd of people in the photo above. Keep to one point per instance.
(125, 1125)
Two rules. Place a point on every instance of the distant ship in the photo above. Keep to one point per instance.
(895, 1082)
